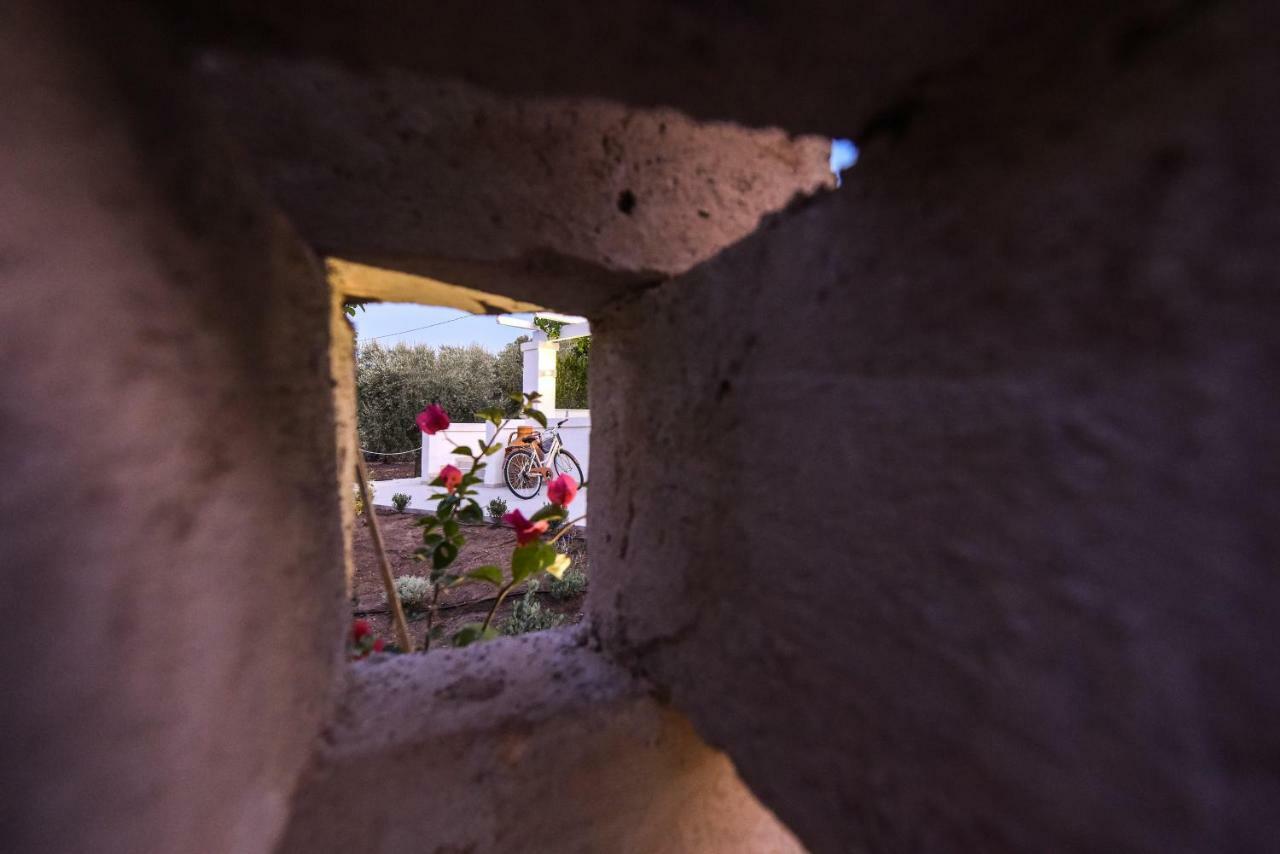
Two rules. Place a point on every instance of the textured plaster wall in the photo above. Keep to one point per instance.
(570, 200)
(529, 744)
(171, 546)
(1010, 584)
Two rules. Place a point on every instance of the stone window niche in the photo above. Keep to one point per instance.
(402, 461)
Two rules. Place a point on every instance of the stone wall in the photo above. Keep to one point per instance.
(1012, 587)
(1019, 600)
(171, 541)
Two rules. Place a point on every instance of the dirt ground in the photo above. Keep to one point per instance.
(466, 603)
(405, 467)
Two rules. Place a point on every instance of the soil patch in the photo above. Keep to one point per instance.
(466, 603)
(393, 470)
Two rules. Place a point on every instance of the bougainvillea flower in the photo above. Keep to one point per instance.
(433, 419)
(559, 565)
(562, 490)
(526, 531)
(359, 629)
(379, 645)
(451, 476)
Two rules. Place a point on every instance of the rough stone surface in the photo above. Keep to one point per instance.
(967, 497)
(527, 744)
(1008, 584)
(811, 66)
(168, 657)
(442, 179)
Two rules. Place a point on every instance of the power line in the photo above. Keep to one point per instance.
(420, 328)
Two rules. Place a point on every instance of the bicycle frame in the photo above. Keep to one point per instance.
(544, 455)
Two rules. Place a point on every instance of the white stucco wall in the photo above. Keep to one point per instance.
(437, 450)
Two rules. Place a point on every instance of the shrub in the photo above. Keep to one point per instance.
(496, 508)
(394, 383)
(572, 583)
(401, 501)
(528, 615)
(414, 592)
(572, 363)
(358, 499)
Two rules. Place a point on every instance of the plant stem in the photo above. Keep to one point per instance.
(564, 529)
(384, 565)
(502, 594)
(431, 617)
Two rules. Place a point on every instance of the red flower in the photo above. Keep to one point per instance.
(379, 645)
(451, 476)
(433, 419)
(562, 490)
(526, 531)
(359, 629)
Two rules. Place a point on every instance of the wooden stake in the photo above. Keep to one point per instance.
(388, 580)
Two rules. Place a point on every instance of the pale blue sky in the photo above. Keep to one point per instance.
(382, 319)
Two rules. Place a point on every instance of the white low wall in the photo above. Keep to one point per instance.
(437, 450)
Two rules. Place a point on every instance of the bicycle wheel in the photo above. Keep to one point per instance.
(522, 482)
(567, 463)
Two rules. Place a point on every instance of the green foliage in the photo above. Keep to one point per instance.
(400, 500)
(497, 507)
(528, 615)
(358, 498)
(442, 537)
(571, 373)
(552, 328)
(393, 384)
(414, 592)
(573, 583)
(473, 632)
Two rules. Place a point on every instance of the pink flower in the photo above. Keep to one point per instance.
(433, 419)
(379, 645)
(359, 629)
(526, 531)
(451, 476)
(562, 490)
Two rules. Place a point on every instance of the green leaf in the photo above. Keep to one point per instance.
(537, 416)
(471, 512)
(516, 397)
(490, 574)
(432, 540)
(473, 632)
(429, 521)
(493, 414)
(450, 528)
(550, 512)
(465, 450)
(444, 554)
(530, 559)
(493, 449)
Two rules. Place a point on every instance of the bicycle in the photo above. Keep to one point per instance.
(542, 458)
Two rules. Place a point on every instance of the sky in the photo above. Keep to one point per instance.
(381, 321)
